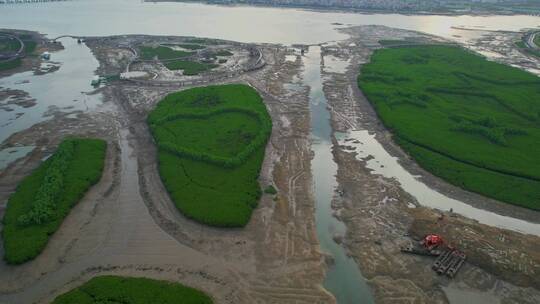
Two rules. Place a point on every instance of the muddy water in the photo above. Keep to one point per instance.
(239, 23)
(384, 164)
(62, 90)
(344, 280)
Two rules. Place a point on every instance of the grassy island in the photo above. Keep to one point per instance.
(114, 289)
(43, 199)
(211, 144)
(473, 122)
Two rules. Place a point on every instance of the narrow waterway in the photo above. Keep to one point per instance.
(381, 162)
(344, 279)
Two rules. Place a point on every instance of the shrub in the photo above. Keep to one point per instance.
(44, 198)
(270, 190)
(211, 144)
(115, 289)
(458, 110)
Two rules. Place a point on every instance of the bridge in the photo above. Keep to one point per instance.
(67, 36)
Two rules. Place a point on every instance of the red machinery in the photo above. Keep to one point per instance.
(432, 241)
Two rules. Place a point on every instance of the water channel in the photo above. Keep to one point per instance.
(343, 279)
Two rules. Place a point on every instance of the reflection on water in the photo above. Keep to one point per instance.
(9, 155)
(240, 23)
(63, 89)
(384, 164)
(343, 279)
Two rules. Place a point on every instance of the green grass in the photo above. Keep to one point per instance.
(125, 290)
(224, 53)
(397, 42)
(211, 146)
(189, 68)
(44, 198)
(187, 46)
(470, 121)
(9, 45)
(192, 46)
(161, 52)
(537, 39)
(270, 190)
(201, 41)
(521, 44)
(29, 46)
(10, 64)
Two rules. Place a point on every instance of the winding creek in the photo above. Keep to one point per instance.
(381, 162)
(65, 89)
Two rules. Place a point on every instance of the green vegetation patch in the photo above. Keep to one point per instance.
(187, 46)
(202, 41)
(161, 52)
(470, 121)
(397, 42)
(8, 45)
(537, 39)
(192, 46)
(8, 65)
(211, 144)
(43, 199)
(115, 289)
(521, 44)
(270, 190)
(223, 53)
(11, 46)
(29, 46)
(189, 68)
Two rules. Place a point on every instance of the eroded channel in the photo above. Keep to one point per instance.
(343, 279)
(381, 162)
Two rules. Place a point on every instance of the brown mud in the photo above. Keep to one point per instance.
(380, 216)
(127, 224)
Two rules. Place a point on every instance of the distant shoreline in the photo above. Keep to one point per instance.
(320, 8)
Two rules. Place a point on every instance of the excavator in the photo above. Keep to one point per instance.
(449, 259)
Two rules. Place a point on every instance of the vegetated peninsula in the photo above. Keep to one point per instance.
(115, 289)
(44, 198)
(473, 122)
(211, 144)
